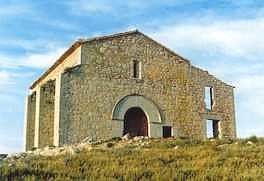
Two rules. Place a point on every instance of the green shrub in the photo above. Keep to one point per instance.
(253, 139)
(109, 144)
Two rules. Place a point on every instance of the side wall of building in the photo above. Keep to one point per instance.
(46, 114)
(223, 102)
(30, 122)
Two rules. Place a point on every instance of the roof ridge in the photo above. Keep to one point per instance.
(103, 37)
(100, 37)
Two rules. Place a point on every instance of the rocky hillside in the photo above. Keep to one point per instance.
(141, 159)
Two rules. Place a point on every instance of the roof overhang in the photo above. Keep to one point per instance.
(72, 48)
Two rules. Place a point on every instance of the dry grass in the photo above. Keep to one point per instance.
(156, 159)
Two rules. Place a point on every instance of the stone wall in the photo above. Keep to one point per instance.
(46, 114)
(91, 91)
(73, 59)
(30, 131)
(100, 73)
(223, 106)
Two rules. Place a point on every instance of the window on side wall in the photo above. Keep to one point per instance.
(212, 128)
(209, 97)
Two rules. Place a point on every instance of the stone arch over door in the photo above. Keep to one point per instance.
(150, 109)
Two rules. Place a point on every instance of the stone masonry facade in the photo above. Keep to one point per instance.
(91, 87)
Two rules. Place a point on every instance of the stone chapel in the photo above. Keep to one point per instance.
(108, 86)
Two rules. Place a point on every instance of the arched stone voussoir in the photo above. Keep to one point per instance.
(151, 110)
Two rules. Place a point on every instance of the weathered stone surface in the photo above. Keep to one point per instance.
(46, 114)
(170, 91)
(30, 122)
(71, 60)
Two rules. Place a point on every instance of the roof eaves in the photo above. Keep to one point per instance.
(73, 47)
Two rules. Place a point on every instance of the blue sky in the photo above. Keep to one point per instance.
(225, 37)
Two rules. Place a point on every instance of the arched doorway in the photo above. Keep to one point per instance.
(135, 122)
(122, 115)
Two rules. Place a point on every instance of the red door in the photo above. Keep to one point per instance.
(135, 123)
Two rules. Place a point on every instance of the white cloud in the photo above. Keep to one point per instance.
(9, 80)
(28, 44)
(251, 82)
(250, 90)
(238, 68)
(33, 60)
(236, 38)
(41, 60)
(39, 53)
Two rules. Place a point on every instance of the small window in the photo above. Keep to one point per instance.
(208, 98)
(136, 69)
(166, 130)
(212, 128)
